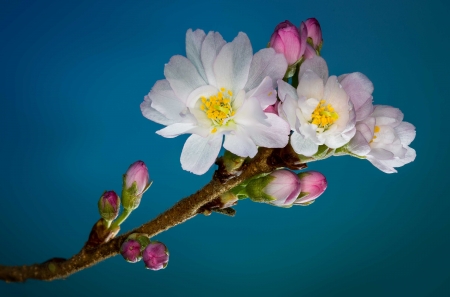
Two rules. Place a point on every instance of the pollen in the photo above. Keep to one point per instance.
(375, 130)
(218, 107)
(323, 115)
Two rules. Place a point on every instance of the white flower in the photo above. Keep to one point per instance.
(219, 89)
(321, 110)
(383, 138)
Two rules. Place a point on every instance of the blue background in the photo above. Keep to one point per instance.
(72, 76)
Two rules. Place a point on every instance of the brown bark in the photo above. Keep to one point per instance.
(182, 211)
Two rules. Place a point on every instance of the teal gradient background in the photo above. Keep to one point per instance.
(72, 76)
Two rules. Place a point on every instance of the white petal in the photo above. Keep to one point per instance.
(366, 129)
(176, 129)
(409, 157)
(288, 105)
(359, 88)
(194, 42)
(250, 113)
(232, 65)
(211, 47)
(317, 65)
(150, 113)
(338, 140)
(206, 91)
(385, 111)
(335, 94)
(165, 101)
(274, 136)
(182, 76)
(406, 132)
(381, 154)
(265, 93)
(380, 165)
(265, 63)
(303, 146)
(310, 85)
(199, 153)
(239, 143)
(358, 145)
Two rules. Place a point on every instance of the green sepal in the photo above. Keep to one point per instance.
(108, 213)
(240, 192)
(232, 162)
(343, 150)
(130, 197)
(255, 189)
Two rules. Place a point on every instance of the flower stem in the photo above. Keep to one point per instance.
(123, 216)
(107, 223)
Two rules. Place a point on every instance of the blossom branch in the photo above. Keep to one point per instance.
(182, 211)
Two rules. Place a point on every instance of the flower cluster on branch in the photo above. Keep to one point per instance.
(272, 112)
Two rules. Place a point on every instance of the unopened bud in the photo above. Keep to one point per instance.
(109, 205)
(135, 182)
(280, 188)
(313, 184)
(156, 256)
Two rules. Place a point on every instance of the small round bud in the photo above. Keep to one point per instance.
(135, 182)
(131, 251)
(313, 184)
(156, 256)
(109, 205)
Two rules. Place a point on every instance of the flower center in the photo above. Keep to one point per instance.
(218, 108)
(324, 115)
(375, 130)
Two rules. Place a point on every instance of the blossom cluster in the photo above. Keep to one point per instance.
(224, 95)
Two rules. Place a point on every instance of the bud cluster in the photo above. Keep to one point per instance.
(135, 182)
(297, 43)
(281, 188)
(138, 246)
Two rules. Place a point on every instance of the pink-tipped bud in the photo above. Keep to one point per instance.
(109, 205)
(312, 184)
(156, 256)
(135, 182)
(131, 251)
(287, 40)
(280, 188)
(314, 33)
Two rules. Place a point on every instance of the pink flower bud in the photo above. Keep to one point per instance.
(138, 173)
(131, 251)
(280, 188)
(314, 32)
(135, 182)
(312, 184)
(156, 256)
(287, 40)
(109, 205)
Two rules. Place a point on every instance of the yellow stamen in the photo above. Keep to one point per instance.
(218, 107)
(323, 115)
(376, 129)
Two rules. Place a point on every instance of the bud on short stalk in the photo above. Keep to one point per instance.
(314, 33)
(135, 182)
(133, 246)
(109, 206)
(286, 39)
(312, 184)
(280, 188)
(156, 256)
